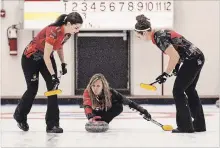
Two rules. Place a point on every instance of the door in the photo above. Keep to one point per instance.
(103, 52)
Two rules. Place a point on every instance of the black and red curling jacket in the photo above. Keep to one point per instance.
(116, 98)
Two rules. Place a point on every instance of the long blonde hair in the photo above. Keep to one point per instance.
(106, 101)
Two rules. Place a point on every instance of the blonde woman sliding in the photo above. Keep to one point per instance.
(104, 103)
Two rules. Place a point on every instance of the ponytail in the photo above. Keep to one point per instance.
(73, 18)
(60, 20)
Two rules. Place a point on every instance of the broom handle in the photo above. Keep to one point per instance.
(158, 80)
(155, 122)
(154, 82)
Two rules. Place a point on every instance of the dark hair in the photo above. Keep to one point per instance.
(73, 18)
(143, 23)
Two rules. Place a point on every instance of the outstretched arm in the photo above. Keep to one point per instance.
(87, 105)
(132, 105)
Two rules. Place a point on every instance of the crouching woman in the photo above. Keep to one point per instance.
(102, 103)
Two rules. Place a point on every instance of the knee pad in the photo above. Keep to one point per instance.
(121, 109)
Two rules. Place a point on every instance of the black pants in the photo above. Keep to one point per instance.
(107, 116)
(32, 67)
(189, 106)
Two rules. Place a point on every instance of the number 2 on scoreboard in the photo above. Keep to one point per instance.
(74, 5)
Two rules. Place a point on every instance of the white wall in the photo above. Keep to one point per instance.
(198, 21)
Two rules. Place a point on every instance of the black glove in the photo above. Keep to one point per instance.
(175, 71)
(55, 81)
(64, 70)
(162, 78)
(92, 117)
(95, 118)
(144, 112)
(140, 109)
(147, 116)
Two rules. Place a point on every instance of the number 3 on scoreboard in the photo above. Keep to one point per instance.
(84, 6)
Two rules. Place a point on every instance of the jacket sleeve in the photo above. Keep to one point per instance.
(121, 98)
(51, 34)
(162, 40)
(125, 101)
(130, 103)
(87, 103)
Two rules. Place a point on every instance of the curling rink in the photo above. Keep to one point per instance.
(127, 130)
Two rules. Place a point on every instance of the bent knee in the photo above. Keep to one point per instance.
(121, 109)
(33, 88)
(178, 91)
(190, 90)
(118, 109)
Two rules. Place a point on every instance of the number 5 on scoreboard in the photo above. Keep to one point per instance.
(102, 6)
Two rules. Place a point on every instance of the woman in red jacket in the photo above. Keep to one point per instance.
(38, 58)
(180, 51)
(104, 103)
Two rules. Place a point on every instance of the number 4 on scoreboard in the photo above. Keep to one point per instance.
(93, 6)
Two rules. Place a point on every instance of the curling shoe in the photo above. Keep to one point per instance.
(54, 129)
(177, 130)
